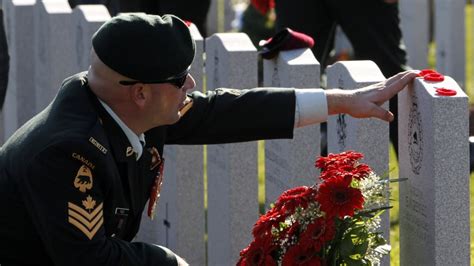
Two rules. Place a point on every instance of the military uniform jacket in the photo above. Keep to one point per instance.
(72, 191)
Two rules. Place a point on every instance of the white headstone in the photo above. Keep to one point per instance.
(197, 69)
(450, 39)
(54, 40)
(180, 223)
(231, 61)
(20, 98)
(414, 22)
(290, 163)
(434, 156)
(368, 136)
(86, 21)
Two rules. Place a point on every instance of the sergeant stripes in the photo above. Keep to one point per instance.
(88, 223)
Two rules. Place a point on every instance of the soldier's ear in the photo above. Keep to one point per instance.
(139, 94)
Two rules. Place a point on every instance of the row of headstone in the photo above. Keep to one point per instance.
(434, 156)
(47, 42)
(448, 23)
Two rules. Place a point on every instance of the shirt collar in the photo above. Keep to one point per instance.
(137, 142)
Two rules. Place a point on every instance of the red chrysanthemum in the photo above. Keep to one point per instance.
(339, 160)
(299, 196)
(290, 231)
(318, 233)
(258, 253)
(338, 199)
(361, 171)
(297, 255)
(265, 223)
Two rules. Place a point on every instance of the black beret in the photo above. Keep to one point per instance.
(144, 47)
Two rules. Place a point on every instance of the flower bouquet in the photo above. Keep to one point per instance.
(335, 222)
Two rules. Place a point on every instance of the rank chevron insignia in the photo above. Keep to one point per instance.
(87, 222)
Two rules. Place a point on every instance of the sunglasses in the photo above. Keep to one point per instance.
(178, 82)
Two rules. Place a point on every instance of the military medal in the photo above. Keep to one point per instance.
(156, 161)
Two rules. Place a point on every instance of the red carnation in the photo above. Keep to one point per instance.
(318, 233)
(258, 253)
(338, 199)
(300, 256)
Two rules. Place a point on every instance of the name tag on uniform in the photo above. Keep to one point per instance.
(122, 212)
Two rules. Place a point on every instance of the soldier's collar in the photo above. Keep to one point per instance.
(137, 142)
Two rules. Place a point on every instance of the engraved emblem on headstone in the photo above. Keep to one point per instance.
(341, 131)
(79, 44)
(216, 72)
(275, 77)
(415, 137)
(340, 83)
(167, 224)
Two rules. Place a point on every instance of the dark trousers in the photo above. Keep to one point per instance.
(191, 10)
(372, 26)
(4, 61)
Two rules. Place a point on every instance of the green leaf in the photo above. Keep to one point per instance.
(362, 248)
(354, 262)
(346, 246)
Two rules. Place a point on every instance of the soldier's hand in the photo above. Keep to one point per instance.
(365, 102)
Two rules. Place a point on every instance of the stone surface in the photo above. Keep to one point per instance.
(19, 101)
(290, 163)
(368, 136)
(231, 61)
(86, 21)
(450, 39)
(53, 43)
(180, 223)
(414, 19)
(434, 156)
(197, 67)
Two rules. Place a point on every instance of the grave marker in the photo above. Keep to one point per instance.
(434, 156)
(414, 19)
(86, 21)
(231, 61)
(450, 39)
(368, 136)
(19, 103)
(290, 163)
(54, 38)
